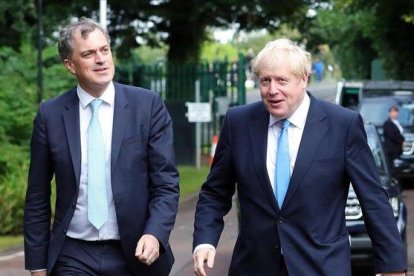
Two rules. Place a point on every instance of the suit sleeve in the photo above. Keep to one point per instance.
(164, 179)
(37, 211)
(389, 252)
(215, 198)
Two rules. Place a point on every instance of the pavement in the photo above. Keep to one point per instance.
(182, 237)
(12, 261)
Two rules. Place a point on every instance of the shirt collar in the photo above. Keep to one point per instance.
(108, 96)
(298, 117)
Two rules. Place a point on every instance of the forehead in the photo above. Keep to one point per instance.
(276, 72)
(94, 39)
(274, 66)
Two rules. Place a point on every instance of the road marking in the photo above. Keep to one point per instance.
(11, 256)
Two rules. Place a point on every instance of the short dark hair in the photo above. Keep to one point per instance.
(86, 26)
(393, 108)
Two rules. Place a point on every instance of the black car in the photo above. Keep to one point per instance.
(361, 247)
(375, 110)
(373, 100)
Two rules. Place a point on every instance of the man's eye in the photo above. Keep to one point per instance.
(283, 81)
(264, 82)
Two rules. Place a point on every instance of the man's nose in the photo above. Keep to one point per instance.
(99, 58)
(273, 88)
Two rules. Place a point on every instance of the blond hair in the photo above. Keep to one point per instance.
(269, 57)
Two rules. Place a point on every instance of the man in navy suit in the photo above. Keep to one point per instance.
(393, 135)
(140, 178)
(303, 231)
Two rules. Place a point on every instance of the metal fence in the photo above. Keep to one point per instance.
(222, 84)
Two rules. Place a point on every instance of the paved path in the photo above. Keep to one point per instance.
(12, 263)
(182, 237)
(181, 242)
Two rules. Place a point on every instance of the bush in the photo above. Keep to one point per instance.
(17, 109)
(18, 106)
(13, 179)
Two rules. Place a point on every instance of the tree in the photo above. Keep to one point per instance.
(182, 24)
(179, 24)
(390, 30)
(16, 18)
(360, 31)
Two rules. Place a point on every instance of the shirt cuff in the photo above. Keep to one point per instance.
(203, 245)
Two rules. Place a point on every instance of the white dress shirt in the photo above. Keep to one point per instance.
(80, 227)
(397, 123)
(295, 131)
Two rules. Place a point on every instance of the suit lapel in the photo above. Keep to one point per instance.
(120, 121)
(258, 129)
(72, 128)
(316, 127)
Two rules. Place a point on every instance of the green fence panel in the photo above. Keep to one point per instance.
(177, 82)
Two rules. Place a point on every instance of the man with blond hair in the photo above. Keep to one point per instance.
(292, 158)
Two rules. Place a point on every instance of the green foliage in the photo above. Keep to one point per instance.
(342, 30)
(359, 31)
(17, 19)
(13, 179)
(148, 55)
(257, 40)
(17, 95)
(17, 109)
(57, 78)
(213, 51)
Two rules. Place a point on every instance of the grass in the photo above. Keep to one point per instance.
(9, 242)
(191, 180)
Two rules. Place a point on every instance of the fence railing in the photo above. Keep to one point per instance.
(222, 83)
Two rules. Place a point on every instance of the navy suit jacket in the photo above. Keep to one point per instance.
(393, 139)
(143, 174)
(310, 226)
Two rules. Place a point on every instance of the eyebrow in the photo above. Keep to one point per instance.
(93, 50)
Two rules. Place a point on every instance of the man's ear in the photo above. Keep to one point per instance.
(69, 66)
(305, 79)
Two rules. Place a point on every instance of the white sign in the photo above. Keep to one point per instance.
(199, 112)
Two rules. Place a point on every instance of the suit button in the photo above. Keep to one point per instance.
(280, 221)
(73, 204)
(277, 247)
(65, 231)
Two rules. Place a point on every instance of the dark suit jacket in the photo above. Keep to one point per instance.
(143, 173)
(310, 226)
(393, 139)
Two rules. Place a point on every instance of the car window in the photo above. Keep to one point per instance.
(406, 116)
(375, 146)
(376, 112)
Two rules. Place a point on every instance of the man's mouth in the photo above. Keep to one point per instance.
(100, 69)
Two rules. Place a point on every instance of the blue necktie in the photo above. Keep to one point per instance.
(97, 194)
(282, 171)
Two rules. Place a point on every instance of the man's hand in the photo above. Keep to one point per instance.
(200, 257)
(148, 249)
